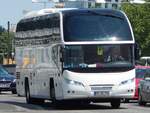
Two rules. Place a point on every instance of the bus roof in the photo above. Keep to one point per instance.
(45, 11)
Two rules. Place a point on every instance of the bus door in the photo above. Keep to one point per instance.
(41, 72)
(28, 65)
(56, 55)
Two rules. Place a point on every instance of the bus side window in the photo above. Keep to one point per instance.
(19, 57)
(26, 59)
(32, 57)
(55, 54)
(39, 53)
(43, 55)
(47, 55)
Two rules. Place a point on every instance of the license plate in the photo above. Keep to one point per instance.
(4, 85)
(101, 93)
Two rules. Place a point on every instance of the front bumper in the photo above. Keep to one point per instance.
(86, 92)
(8, 87)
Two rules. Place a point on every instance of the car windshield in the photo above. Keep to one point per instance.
(97, 56)
(3, 72)
(94, 26)
(140, 73)
(145, 62)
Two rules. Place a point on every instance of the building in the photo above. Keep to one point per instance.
(111, 4)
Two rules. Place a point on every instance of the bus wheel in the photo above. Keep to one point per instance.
(52, 90)
(85, 102)
(115, 103)
(14, 92)
(30, 100)
(126, 101)
(27, 92)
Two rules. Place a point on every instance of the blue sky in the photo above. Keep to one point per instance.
(12, 10)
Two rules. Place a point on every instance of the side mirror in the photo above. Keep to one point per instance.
(137, 51)
(147, 78)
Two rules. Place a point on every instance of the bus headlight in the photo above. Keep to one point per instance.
(72, 82)
(127, 81)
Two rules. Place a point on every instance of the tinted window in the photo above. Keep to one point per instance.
(97, 57)
(3, 72)
(140, 73)
(147, 73)
(19, 57)
(94, 26)
(47, 21)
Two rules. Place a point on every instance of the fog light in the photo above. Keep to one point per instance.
(92, 93)
(132, 90)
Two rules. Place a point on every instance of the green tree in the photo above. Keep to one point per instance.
(139, 16)
(5, 44)
(1, 30)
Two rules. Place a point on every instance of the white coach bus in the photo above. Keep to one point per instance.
(83, 55)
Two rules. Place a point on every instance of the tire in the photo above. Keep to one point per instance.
(126, 100)
(140, 100)
(27, 92)
(30, 100)
(14, 92)
(85, 102)
(52, 90)
(52, 93)
(115, 103)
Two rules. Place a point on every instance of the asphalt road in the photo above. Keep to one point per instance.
(13, 104)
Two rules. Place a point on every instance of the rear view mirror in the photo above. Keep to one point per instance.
(137, 51)
(147, 78)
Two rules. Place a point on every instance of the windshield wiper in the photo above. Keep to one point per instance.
(107, 15)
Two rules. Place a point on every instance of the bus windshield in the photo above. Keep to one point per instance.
(94, 26)
(97, 56)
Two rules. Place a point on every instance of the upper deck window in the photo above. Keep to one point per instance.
(92, 25)
(41, 22)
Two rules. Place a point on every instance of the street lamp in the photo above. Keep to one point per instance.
(12, 56)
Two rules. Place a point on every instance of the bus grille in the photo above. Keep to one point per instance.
(101, 88)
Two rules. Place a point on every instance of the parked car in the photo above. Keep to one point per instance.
(7, 81)
(145, 60)
(144, 89)
(140, 72)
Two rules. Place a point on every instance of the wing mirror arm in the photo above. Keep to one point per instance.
(137, 51)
